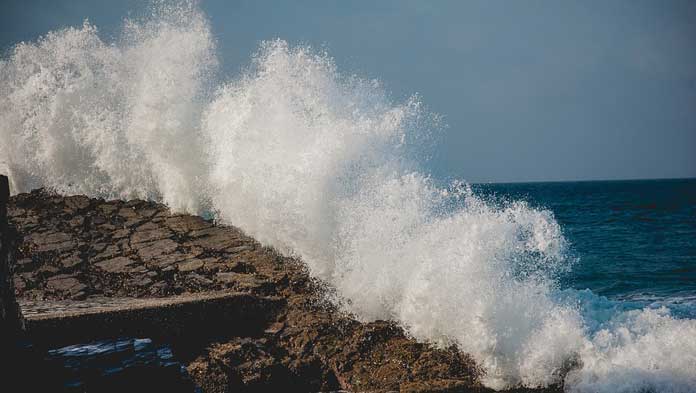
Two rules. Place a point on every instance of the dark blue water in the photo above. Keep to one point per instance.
(632, 240)
(118, 365)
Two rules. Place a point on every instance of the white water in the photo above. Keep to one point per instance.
(324, 165)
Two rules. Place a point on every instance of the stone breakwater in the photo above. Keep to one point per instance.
(77, 248)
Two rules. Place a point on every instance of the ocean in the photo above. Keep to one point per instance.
(634, 240)
(590, 284)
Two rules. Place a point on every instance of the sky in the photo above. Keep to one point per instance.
(529, 90)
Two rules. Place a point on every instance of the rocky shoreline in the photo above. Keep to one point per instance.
(77, 248)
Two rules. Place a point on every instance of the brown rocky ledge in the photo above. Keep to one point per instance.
(80, 248)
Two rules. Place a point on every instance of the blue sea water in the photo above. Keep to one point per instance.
(632, 240)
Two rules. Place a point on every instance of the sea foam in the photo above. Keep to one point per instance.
(325, 166)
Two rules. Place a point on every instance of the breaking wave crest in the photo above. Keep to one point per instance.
(325, 166)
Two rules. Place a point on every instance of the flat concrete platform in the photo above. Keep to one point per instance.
(195, 316)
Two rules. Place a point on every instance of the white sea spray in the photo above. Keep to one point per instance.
(325, 166)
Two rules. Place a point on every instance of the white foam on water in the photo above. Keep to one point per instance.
(325, 166)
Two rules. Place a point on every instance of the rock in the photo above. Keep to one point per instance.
(138, 270)
(163, 261)
(109, 252)
(77, 202)
(198, 279)
(71, 261)
(238, 249)
(147, 213)
(76, 221)
(190, 265)
(98, 220)
(185, 224)
(107, 209)
(127, 212)
(116, 265)
(51, 241)
(19, 284)
(120, 234)
(241, 281)
(142, 281)
(218, 241)
(275, 328)
(142, 236)
(148, 251)
(239, 267)
(65, 283)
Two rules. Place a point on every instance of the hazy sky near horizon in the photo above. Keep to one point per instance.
(529, 90)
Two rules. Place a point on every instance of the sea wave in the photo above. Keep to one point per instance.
(324, 165)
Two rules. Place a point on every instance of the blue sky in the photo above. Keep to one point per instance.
(530, 90)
